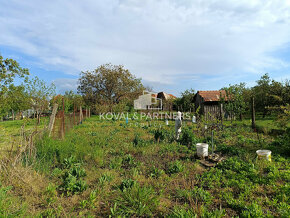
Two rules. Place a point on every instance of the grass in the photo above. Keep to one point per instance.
(109, 168)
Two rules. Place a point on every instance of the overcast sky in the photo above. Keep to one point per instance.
(172, 45)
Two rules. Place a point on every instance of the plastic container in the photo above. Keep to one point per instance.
(264, 154)
(194, 119)
(202, 150)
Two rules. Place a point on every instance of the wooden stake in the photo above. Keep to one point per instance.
(52, 119)
(253, 114)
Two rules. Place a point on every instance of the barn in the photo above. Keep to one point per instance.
(209, 104)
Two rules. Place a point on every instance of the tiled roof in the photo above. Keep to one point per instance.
(212, 95)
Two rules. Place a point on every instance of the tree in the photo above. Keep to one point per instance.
(71, 101)
(17, 98)
(234, 102)
(39, 93)
(108, 84)
(9, 70)
(185, 103)
(270, 94)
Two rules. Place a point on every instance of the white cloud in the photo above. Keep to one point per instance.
(157, 40)
(64, 84)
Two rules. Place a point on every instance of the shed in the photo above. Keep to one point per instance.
(209, 103)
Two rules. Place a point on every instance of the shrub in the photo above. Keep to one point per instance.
(188, 138)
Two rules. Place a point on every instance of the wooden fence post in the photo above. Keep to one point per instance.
(253, 114)
(81, 114)
(63, 120)
(52, 119)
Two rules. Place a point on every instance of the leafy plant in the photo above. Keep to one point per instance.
(175, 167)
(126, 184)
(72, 182)
(136, 202)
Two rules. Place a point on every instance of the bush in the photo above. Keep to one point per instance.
(188, 138)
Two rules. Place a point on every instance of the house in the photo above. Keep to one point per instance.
(209, 104)
(167, 104)
(148, 100)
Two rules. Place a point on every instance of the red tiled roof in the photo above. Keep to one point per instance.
(212, 95)
(172, 96)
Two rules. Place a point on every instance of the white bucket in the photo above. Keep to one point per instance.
(202, 150)
(264, 154)
(194, 119)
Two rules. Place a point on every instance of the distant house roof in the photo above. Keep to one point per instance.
(212, 95)
(165, 95)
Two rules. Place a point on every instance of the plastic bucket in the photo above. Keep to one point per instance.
(202, 150)
(264, 154)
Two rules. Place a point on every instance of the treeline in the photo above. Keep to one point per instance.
(113, 88)
(32, 97)
(270, 97)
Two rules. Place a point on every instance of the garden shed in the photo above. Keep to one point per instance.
(209, 103)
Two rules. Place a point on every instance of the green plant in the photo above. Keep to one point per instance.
(254, 210)
(175, 167)
(128, 161)
(197, 195)
(106, 177)
(188, 138)
(50, 193)
(10, 206)
(182, 213)
(72, 182)
(126, 184)
(155, 172)
(136, 202)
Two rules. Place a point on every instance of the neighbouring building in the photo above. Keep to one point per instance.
(209, 104)
(167, 100)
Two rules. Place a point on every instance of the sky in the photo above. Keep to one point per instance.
(173, 45)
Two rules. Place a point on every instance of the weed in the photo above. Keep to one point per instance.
(155, 172)
(128, 161)
(175, 167)
(137, 201)
(72, 182)
(126, 184)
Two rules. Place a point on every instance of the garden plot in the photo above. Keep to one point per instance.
(109, 168)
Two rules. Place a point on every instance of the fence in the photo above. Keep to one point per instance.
(61, 122)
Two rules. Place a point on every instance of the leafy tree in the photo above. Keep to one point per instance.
(109, 84)
(9, 69)
(71, 100)
(185, 103)
(39, 93)
(234, 102)
(270, 94)
(17, 98)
